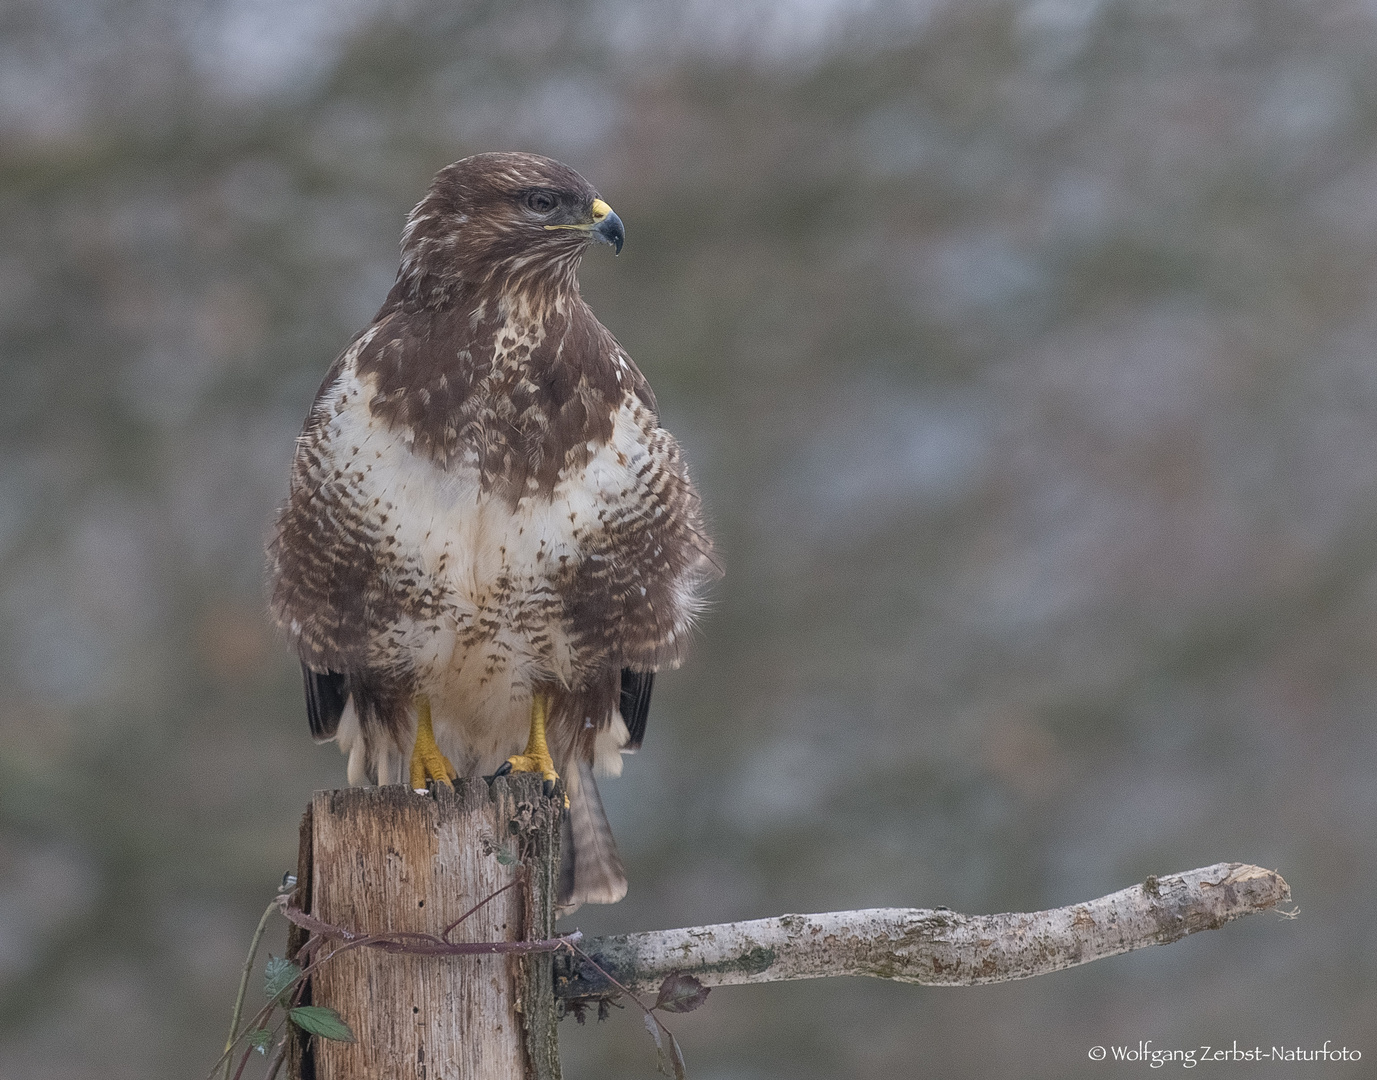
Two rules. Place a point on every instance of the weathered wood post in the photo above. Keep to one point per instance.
(386, 859)
(388, 880)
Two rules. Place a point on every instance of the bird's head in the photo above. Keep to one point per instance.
(507, 220)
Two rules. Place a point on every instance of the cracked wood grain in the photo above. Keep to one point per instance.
(387, 859)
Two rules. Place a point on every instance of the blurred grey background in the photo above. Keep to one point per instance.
(1024, 352)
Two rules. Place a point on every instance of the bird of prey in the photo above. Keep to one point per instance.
(490, 544)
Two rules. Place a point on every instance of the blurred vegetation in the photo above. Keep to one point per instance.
(1023, 352)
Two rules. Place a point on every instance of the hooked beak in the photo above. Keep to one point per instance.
(606, 227)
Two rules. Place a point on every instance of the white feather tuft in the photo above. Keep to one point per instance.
(607, 746)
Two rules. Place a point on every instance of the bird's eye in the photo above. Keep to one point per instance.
(542, 202)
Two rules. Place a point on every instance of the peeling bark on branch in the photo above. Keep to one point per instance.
(918, 945)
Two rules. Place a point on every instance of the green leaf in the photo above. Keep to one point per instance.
(281, 974)
(321, 1020)
(506, 856)
(259, 1039)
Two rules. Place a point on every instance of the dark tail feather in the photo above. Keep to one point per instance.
(635, 704)
(326, 695)
(590, 870)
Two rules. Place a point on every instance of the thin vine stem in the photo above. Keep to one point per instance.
(244, 980)
(518, 880)
(279, 1056)
(649, 1011)
(320, 932)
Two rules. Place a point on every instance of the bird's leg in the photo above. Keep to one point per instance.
(427, 763)
(536, 757)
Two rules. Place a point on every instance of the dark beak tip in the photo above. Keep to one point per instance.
(610, 231)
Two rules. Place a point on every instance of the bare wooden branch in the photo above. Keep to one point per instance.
(918, 945)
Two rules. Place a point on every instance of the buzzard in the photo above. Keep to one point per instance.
(490, 544)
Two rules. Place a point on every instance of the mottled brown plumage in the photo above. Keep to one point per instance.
(484, 506)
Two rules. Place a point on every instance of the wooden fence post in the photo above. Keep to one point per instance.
(387, 859)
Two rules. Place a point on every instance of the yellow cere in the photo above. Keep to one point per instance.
(600, 211)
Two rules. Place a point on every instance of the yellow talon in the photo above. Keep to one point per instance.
(537, 754)
(427, 763)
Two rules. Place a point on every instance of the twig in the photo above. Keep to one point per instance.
(677, 1060)
(420, 944)
(248, 1053)
(259, 1018)
(244, 980)
(935, 948)
(519, 879)
(603, 971)
(275, 1062)
(394, 941)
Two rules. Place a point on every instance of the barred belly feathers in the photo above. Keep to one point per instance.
(485, 514)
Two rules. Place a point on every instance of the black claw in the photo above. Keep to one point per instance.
(503, 769)
(549, 788)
